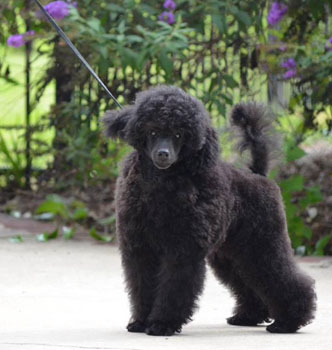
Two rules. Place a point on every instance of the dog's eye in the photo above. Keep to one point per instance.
(178, 135)
(153, 133)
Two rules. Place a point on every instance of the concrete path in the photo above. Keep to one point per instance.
(70, 295)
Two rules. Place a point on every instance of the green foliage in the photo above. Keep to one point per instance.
(97, 236)
(67, 214)
(68, 232)
(15, 160)
(16, 239)
(220, 51)
(54, 205)
(321, 245)
(63, 212)
(214, 50)
(46, 236)
(304, 35)
(90, 160)
(299, 232)
(293, 152)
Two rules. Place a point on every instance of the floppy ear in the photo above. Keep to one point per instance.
(207, 155)
(211, 148)
(115, 122)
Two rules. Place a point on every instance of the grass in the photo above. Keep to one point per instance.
(12, 102)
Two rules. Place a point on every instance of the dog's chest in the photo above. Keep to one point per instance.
(169, 203)
(171, 198)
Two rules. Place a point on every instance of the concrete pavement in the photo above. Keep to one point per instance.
(70, 295)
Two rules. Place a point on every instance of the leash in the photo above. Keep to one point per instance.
(76, 52)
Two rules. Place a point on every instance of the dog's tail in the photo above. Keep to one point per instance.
(257, 134)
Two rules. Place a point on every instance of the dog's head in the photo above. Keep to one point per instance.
(165, 123)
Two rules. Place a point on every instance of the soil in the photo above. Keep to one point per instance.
(99, 201)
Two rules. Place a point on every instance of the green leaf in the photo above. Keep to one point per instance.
(16, 239)
(306, 232)
(147, 8)
(46, 236)
(291, 209)
(321, 245)
(294, 153)
(314, 194)
(108, 221)
(10, 80)
(68, 232)
(99, 237)
(243, 17)
(54, 204)
(80, 214)
(9, 14)
(122, 27)
(129, 57)
(134, 39)
(166, 63)
(293, 184)
(103, 51)
(220, 22)
(94, 23)
(115, 8)
(10, 156)
(230, 81)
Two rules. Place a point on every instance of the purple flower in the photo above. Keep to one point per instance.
(276, 14)
(170, 5)
(16, 41)
(58, 9)
(168, 17)
(19, 40)
(283, 48)
(29, 33)
(73, 3)
(328, 45)
(292, 73)
(289, 64)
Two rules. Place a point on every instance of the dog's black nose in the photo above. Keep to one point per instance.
(163, 154)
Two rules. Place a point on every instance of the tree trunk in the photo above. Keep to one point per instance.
(63, 123)
(28, 46)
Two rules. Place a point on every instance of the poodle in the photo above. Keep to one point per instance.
(178, 206)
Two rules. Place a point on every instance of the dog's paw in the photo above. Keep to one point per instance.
(282, 327)
(136, 327)
(161, 329)
(238, 320)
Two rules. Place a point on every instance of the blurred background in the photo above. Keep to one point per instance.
(56, 165)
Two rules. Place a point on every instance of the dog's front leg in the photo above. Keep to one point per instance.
(179, 285)
(140, 268)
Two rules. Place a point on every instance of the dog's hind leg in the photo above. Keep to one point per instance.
(271, 271)
(249, 309)
(140, 268)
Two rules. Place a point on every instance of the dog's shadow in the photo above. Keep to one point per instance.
(118, 338)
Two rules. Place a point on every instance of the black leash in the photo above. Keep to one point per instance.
(76, 52)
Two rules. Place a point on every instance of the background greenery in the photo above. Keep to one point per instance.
(221, 51)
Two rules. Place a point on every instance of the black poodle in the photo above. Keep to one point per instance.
(178, 205)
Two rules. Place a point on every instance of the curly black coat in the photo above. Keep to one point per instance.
(170, 221)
